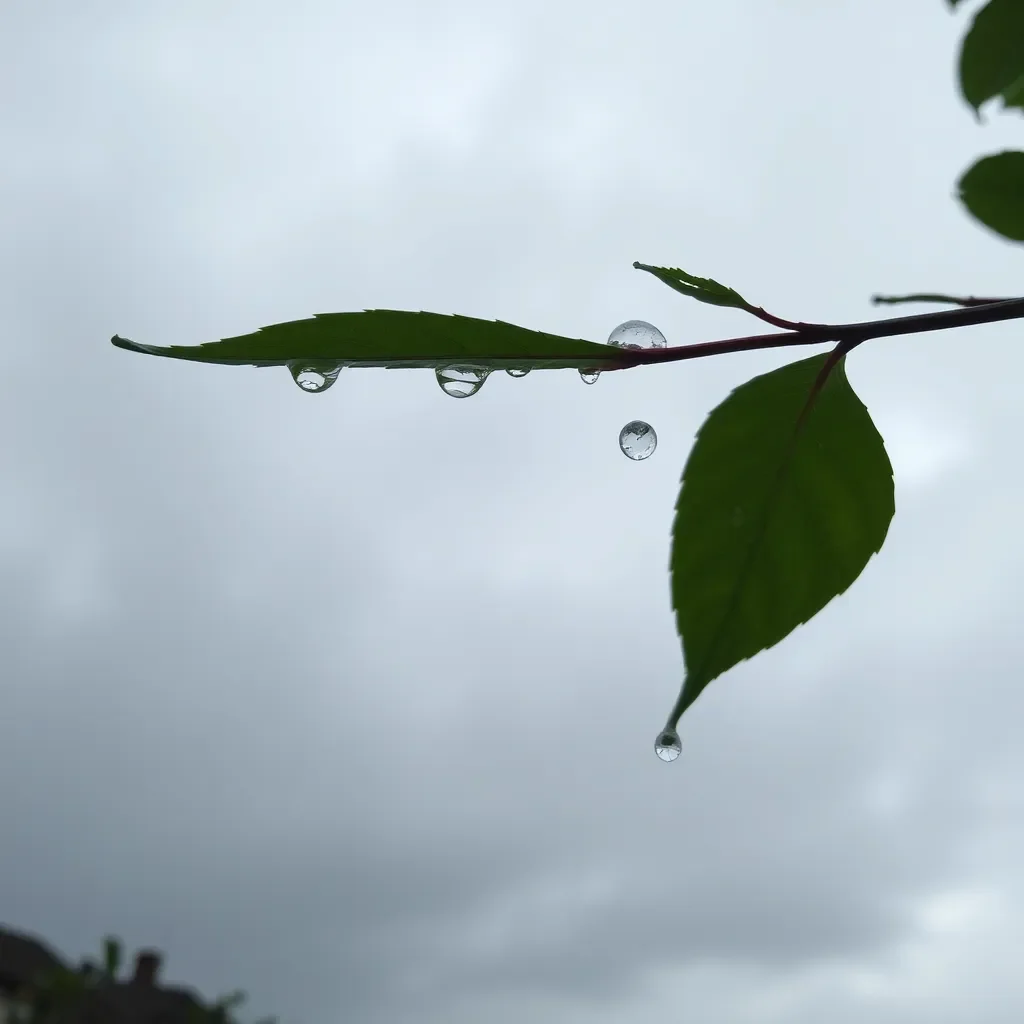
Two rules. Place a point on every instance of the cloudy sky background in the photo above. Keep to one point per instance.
(348, 700)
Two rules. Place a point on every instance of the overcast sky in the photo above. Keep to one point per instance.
(349, 700)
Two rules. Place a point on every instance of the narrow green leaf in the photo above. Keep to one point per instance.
(993, 191)
(394, 338)
(111, 956)
(992, 55)
(702, 288)
(773, 520)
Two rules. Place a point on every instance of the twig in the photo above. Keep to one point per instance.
(972, 312)
(951, 300)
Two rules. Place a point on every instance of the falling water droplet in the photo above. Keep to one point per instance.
(461, 381)
(314, 377)
(667, 746)
(638, 440)
(637, 334)
(589, 376)
(518, 371)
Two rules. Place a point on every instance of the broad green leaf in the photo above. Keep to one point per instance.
(702, 288)
(992, 55)
(993, 190)
(395, 338)
(773, 520)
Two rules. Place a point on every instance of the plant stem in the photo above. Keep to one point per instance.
(950, 300)
(816, 334)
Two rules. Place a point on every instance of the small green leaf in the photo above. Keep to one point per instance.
(111, 956)
(231, 1001)
(395, 338)
(773, 519)
(702, 288)
(993, 191)
(992, 55)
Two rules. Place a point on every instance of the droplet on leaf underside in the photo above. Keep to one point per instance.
(314, 378)
(461, 381)
(637, 334)
(638, 440)
(589, 376)
(517, 371)
(668, 745)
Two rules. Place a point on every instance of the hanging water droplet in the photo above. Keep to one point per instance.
(518, 371)
(638, 440)
(668, 746)
(589, 376)
(637, 334)
(461, 381)
(314, 377)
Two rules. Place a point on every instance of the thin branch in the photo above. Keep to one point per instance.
(951, 300)
(816, 334)
(776, 321)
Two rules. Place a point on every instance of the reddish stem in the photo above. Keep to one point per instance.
(816, 334)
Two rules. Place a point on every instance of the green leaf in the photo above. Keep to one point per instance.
(702, 288)
(232, 1000)
(111, 956)
(220, 1012)
(775, 517)
(395, 338)
(992, 55)
(993, 191)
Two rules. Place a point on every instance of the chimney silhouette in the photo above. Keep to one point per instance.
(147, 965)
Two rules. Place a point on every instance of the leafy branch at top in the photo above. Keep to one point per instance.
(403, 339)
(787, 493)
(788, 490)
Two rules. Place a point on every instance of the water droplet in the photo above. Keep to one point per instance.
(637, 334)
(668, 746)
(638, 440)
(589, 376)
(461, 381)
(314, 377)
(518, 371)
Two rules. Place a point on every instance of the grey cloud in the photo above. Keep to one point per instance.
(349, 700)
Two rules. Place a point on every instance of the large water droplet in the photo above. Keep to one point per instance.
(314, 377)
(668, 746)
(461, 381)
(518, 371)
(638, 440)
(637, 334)
(589, 376)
